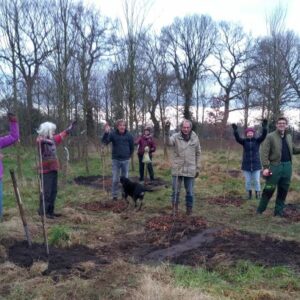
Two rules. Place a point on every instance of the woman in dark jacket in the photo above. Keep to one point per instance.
(251, 164)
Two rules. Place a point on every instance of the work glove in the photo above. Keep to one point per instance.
(234, 126)
(197, 174)
(71, 127)
(11, 117)
(264, 123)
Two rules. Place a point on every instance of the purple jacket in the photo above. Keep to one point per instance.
(8, 140)
(144, 141)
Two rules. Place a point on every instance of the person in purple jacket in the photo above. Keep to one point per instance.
(144, 142)
(6, 141)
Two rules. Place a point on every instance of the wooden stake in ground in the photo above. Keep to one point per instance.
(42, 197)
(20, 205)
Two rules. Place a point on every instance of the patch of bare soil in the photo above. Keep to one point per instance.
(234, 173)
(105, 182)
(114, 206)
(98, 206)
(214, 246)
(225, 201)
(60, 261)
(96, 181)
(292, 212)
(165, 230)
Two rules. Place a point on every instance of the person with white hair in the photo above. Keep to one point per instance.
(185, 163)
(48, 167)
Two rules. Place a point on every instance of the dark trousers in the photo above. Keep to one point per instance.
(280, 178)
(142, 168)
(50, 192)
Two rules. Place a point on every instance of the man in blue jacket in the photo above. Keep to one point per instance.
(122, 149)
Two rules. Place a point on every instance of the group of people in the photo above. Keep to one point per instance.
(275, 158)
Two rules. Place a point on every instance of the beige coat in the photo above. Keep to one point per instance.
(186, 155)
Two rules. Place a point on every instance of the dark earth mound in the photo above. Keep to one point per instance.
(104, 182)
(166, 230)
(225, 201)
(114, 206)
(62, 260)
(214, 246)
(292, 212)
(234, 173)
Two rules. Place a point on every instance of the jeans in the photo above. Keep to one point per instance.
(50, 192)
(142, 168)
(118, 166)
(189, 189)
(252, 176)
(1, 198)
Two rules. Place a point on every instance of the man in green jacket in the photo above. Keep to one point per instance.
(185, 163)
(276, 156)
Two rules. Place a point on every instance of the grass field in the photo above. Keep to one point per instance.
(101, 254)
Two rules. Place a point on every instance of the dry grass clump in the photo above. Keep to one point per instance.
(156, 285)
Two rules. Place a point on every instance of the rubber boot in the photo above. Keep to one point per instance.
(189, 210)
(249, 195)
(257, 195)
(175, 208)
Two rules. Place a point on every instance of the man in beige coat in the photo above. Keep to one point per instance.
(185, 163)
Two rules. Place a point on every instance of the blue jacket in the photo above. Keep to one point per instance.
(122, 144)
(251, 157)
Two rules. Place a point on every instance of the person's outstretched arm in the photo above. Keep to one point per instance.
(13, 135)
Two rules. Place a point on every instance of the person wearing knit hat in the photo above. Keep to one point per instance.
(145, 142)
(251, 164)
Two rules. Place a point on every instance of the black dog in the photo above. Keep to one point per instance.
(133, 189)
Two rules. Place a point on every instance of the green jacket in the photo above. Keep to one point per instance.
(186, 155)
(271, 149)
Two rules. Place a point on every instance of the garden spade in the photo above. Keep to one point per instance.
(20, 205)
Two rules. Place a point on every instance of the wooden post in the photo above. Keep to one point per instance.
(20, 205)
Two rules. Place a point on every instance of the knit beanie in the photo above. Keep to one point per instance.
(249, 129)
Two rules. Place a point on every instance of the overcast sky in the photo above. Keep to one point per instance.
(251, 14)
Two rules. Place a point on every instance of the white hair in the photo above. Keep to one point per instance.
(46, 129)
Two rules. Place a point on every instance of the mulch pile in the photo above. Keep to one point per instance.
(166, 230)
(225, 201)
(114, 206)
(292, 213)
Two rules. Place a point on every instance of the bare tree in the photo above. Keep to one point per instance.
(271, 79)
(63, 38)
(231, 55)
(159, 77)
(292, 63)
(189, 41)
(91, 45)
(31, 30)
